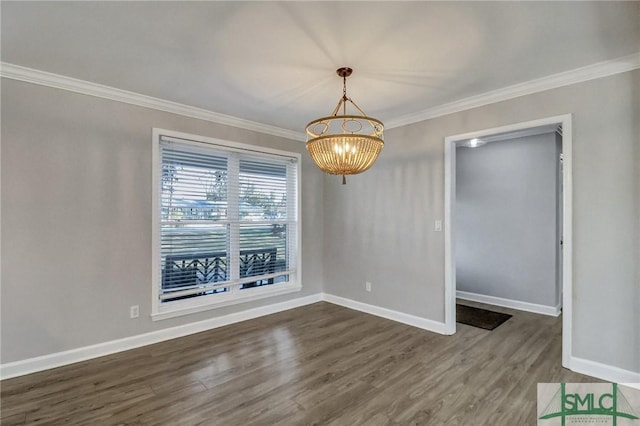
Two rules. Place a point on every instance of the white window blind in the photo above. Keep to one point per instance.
(228, 221)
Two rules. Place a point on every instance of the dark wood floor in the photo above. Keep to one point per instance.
(319, 364)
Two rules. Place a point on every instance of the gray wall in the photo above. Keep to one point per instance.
(379, 227)
(76, 218)
(506, 230)
(76, 174)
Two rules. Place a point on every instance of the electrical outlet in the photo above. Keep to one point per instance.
(134, 311)
(438, 226)
(367, 286)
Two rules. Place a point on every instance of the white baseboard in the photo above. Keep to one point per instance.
(59, 359)
(604, 372)
(553, 311)
(45, 362)
(423, 323)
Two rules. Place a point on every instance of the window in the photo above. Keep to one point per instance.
(226, 226)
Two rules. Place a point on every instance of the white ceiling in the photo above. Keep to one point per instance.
(274, 62)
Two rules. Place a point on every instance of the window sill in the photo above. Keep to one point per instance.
(177, 309)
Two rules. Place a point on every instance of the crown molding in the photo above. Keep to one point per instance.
(566, 78)
(43, 78)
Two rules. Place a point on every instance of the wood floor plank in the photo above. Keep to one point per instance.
(319, 364)
(13, 420)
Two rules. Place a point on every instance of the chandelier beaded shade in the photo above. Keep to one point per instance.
(345, 144)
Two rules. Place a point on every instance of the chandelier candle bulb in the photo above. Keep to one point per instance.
(345, 144)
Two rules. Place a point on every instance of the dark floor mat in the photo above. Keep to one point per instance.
(480, 318)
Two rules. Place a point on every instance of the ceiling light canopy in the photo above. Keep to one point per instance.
(474, 143)
(345, 144)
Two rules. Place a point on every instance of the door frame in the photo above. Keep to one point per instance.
(567, 222)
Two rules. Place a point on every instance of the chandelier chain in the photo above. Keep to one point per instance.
(344, 94)
(344, 87)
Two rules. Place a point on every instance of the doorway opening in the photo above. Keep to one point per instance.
(562, 124)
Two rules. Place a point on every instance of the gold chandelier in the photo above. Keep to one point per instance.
(345, 144)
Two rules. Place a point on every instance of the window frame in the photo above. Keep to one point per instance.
(176, 308)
